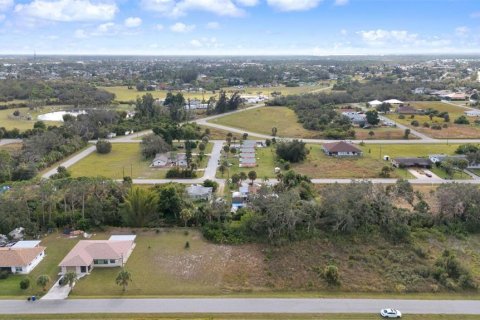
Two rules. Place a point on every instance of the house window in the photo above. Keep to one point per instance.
(100, 261)
(112, 260)
(18, 269)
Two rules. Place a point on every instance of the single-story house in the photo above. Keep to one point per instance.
(169, 159)
(439, 158)
(22, 257)
(375, 103)
(198, 192)
(404, 109)
(248, 162)
(341, 149)
(356, 117)
(393, 101)
(247, 150)
(457, 96)
(88, 254)
(249, 143)
(412, 162)
(247, 155)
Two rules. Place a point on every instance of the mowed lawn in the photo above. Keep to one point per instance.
(122, 93)
(125, 158)
(7, 121)
(470, 131)
(57, 247)
(319, 165)
(265, 168)
(161, 265)
(263, 119)
(282, 89)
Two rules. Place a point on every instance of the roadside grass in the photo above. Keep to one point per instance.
(122, 93)
(282, 89)
(217, 316)
(9, 122)
(470, 131)
(125, 158)
(12, 148)
(263, 119)
(265, 164)
(219, 134)
(57, 247)
(58, 163)
(457, 175)
(180, 146)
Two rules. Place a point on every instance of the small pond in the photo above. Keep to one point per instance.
(58, 115)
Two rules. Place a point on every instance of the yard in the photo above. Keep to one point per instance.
(124, 159)
(283, 90)
(263, 119)
(122, 93)
(452, 131)
(265, 164)
(9, 122)
(161, 265)
(57, 248)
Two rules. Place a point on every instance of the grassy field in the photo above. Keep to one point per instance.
(453, 131)
(124, 158)
(122, 93)
(12, 148)
(265, 164)
(57, 247)
(262, 120)
(219, 134)
(7, 121)
(457, 175)
(217, 316)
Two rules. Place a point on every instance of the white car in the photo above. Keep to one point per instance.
(390, 313)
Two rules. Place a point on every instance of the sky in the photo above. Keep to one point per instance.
(240, 27)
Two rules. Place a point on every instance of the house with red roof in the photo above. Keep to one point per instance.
(341, 149)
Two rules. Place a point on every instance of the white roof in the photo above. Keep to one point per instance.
(26, 244)
(123, 237)
(375, 102)
(393, 101)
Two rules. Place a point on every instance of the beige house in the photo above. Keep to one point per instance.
(89, 254)
(21, 258)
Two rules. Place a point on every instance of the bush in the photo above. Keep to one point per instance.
(414, 123)
(210, 183)
(462, 120)
(331, 275)
(436, 127)
(293, 151)
(4, 274)
(180, 173)
(104, 146)
(426, 125)
(24, 283)
(401, 116)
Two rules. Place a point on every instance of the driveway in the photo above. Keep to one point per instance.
(57, 292)
(239, 306)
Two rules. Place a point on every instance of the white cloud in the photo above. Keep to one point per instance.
(133, 22)
(380, 36)
(68, 10)
(213, 25)
(247, 3)
(205, 43)
(182, 27)
(294, 5)
(80, 34)
(5, 5)
(159, 27)
(177, 8)
(104, 28)
(462, 31)
(341, 2)
(196, 43)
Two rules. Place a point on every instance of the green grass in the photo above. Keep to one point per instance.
(57, 247)
(265, 164)
(122, 93)
(457, 175)
(208, 147)
(283, 90)
(124, 158)
(216, 316)
(10, 123)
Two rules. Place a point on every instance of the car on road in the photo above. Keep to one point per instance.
(390, 313)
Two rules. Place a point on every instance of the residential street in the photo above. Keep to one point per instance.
(234, 305)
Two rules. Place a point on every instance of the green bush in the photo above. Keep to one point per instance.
(331, 275)
(104, 146)
(24, 283)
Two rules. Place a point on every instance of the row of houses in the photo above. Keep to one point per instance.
(247, 154)
(169, 159)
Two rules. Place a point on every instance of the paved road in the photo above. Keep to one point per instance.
(403, 127)
(4, 142)
(71, 162)
(297, 306)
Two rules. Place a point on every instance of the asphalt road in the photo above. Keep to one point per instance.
(235, 305)
(71, 161)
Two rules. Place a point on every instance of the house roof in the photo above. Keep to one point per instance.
(375, 103)
(393, 101)
(248, 160)
(85, 251)
(413, 161)
(340, 146)
(11, 257)
(26, 244)
(196, 190)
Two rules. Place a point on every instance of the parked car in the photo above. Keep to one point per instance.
(390, 313)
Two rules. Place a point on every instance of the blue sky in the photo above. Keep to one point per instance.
(239, 27)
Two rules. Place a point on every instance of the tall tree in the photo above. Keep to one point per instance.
(140, 206)
(123, 279)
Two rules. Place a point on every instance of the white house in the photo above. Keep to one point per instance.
(198, 192)
(88, 254)
(393, 102)
(374, 103)
(22, 257)
(169, 159)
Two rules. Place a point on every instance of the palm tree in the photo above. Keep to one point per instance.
(139, 205)
(70, 278)
(123, 278)
(42, 281)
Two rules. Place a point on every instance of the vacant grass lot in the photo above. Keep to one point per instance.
(125, 158)
(262, 120)
(283, 90)
(160, 265)
(217, 316)
(265, 164)
(453, 131)
(57, 247)
(122, 93)
(9, 122)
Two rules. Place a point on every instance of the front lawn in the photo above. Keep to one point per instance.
(265, 164)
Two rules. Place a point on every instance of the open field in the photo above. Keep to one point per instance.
(57, 248)
(282, 89)
(216, 316)
(7, 121)
(457, 175)
(262, 120)
(265, 164)
(160, 265)
(124, 158)
(453, 131)
(219, 134)
(12, 148)
(122, 93)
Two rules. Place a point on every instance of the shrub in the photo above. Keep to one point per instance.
(24, 283)
(187, 245)
(293, 151)
(331, 275)
(426, 125)
(180, 173)
(104, 146)
(414, 123)
(462, 120)
(436, 127)
(401, 116)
